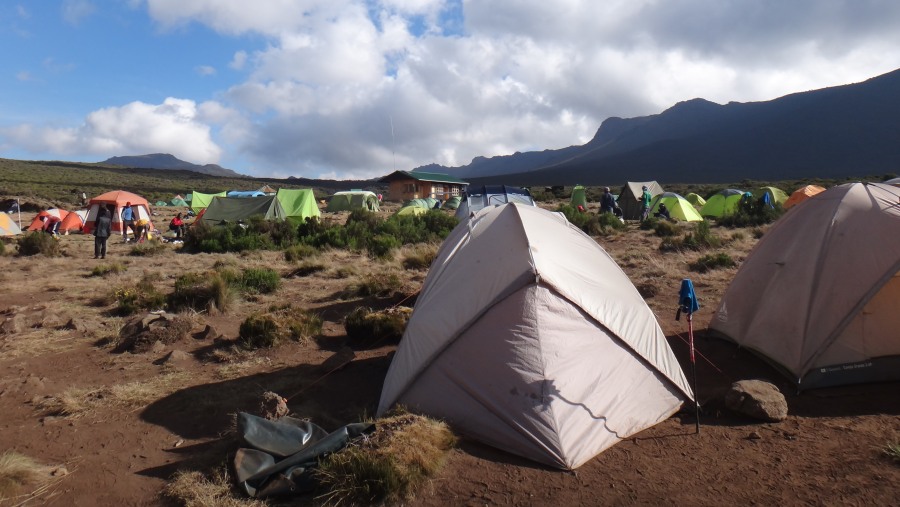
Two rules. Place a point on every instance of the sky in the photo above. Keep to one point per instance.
(355, 89)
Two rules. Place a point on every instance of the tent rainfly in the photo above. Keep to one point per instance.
(818, 295)
(723, 203)
(200, 200)
(528, 337)
(578, 197)
(679, 208)
(238, 209)
(8, 226)
(73, 222)
(630, 197)
(117, 199)
(776, 195)
(695, 200)
(298, 204)
(485, 196)
(351, 200)
(802, 194)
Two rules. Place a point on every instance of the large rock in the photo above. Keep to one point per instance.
(13, 325)
(757, 399)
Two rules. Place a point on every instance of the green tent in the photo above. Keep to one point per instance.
(298, 203)
(200, 200)
(188, 197)
(695, 200)
(578, 197)
(776, 195)
(239, 209)
(411, 210)
(161, 203)
(178, 201)
(679, 207)
(351, 200)
(452, 203)
(424, 203)
(722, 203)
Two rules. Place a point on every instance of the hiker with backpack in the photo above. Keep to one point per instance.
(102, 231)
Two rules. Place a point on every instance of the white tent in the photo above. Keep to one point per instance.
(819, 296)
(527, 336)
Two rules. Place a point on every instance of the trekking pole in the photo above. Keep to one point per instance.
(687, 303)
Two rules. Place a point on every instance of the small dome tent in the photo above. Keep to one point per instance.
(298, 204)
(73, 222)
(351, 200)
(802, 194)
(36, 224)
(723, 203)
(116, 199)
(818, 295)
(477, 198)
(200, 200)
(578, 197)
(528, 337)
(679, 208)
(776, 195)
(695, 200)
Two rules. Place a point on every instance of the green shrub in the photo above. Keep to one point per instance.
(701, 238)
(376, 284)
(664, 228)
(295, 253)
(2, 248)
(649, 224)
(143, 296)
(260, 281)
(367, 327)
(201, 291)
(147, 248)
(751, 213)
(713, 261)
(267, 330)
(595, 225)
(113, 268)
(382, 246)
(39, 242)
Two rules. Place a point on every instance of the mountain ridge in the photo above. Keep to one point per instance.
(168, 161)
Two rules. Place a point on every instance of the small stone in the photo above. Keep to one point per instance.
(757, 399)
(754, 436)
(273, 406)
(59, 471)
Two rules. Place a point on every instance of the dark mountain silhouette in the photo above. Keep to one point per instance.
(166, 161)
(850, 130)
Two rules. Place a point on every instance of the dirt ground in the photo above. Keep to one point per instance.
(167, 414)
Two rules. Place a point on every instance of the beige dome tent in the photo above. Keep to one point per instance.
(819, 296)
(528, 337)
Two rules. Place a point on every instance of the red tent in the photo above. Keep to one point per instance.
(37, 225)
(117, 199)
(74, 221)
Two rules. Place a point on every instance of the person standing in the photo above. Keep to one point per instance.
(645, 202)
(128, 222)
(102, 231)
(607, 201)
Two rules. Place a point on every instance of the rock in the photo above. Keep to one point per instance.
(59, 471)
(754, 436)
(273, 406)
(158, 347)
(50, 320)
(757, 399)
(13, 325)
(176, 356)
(208, 333)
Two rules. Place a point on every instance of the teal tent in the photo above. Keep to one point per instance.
(239, 209)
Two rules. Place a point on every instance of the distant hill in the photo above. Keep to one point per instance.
(849, 130)
(166, 161)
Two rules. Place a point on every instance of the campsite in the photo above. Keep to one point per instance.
(114, 422)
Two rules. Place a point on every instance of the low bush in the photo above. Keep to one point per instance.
(751, 213)
(259, 281)
(113, 268)
(603, 224)
(38, 242)
(375, 284)
(713, 261)
(700, 239)
(267, 330)
(389, 466)
(664, 228)
(366, 327)
(147, 248)
(308, 268)
(296, 253)
(420, 257)
(201, 292)
(143, 296)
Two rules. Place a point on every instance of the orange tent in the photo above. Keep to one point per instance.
(117, 199)
(802, 194)
(37, 225)
(74, 221)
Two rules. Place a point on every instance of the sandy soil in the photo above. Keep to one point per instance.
(172, 415)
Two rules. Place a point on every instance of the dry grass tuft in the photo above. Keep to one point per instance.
(79, 401)
(193, 489)
(18, 471)
(368, 327)
(390, 466)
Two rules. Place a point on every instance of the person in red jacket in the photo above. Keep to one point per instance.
(177, 225)
(51, 225)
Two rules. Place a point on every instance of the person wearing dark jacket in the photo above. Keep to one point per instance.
(607, 202)
(102, 230)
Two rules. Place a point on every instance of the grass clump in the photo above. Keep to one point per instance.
(713, 261)
(39, 242)
(752, 213)
(367, 327)
(194, 489)
(113, 268)
(270, 329)
(892, 451)
(700, 239)
(420, 257)
(374, 284)
(296, 253)
(259, 281)
(18, 471)
(603, 224)
(142, 296)
(403, 453)
(308, 268)
(201, 292)
(147, 248)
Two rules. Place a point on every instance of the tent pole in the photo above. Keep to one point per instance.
(19, 212)
(694, 369)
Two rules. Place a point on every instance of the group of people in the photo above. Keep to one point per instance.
(608, 205)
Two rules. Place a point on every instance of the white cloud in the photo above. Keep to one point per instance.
(74, 11)
(205, 70)
(133, 129)
(239, 60)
